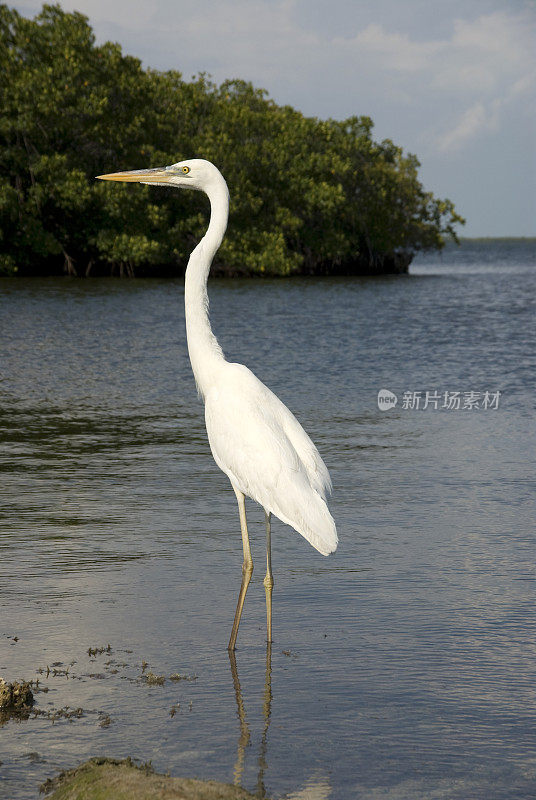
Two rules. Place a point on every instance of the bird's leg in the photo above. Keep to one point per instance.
(269, 579)
(247, 567)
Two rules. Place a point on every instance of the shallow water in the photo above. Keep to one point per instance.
(403, 666)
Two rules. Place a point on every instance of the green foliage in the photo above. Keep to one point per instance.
(307, 195)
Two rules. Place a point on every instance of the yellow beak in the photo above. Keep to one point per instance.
(157, 175)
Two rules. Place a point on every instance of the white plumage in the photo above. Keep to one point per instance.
(254, 438)
(263, 449)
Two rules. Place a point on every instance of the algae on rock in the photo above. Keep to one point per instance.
(123, 780)
(15, 696)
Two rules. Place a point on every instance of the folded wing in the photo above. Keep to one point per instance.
(266, 454)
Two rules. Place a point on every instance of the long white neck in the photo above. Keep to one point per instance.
(206, 355)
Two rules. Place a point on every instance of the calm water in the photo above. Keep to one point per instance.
(403, 666)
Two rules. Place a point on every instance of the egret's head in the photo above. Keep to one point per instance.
(196, 173)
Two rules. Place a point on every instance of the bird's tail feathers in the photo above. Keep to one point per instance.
(314, 522)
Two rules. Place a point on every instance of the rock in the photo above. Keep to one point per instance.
(15, 696)
(123, 780)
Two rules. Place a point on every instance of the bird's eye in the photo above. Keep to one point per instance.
(186, 170)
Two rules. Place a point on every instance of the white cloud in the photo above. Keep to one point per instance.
(498, 33)
(501, 80)
(476, 73)
(471, 123)
(487, 53)
(396, 51)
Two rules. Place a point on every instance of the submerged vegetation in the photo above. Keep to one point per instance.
(308, 196)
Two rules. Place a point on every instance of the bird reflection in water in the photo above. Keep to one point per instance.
(317, 788)
(245, 736)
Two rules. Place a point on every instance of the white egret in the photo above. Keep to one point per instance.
(254, 438)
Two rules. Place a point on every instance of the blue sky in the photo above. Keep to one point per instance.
(452, 81)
